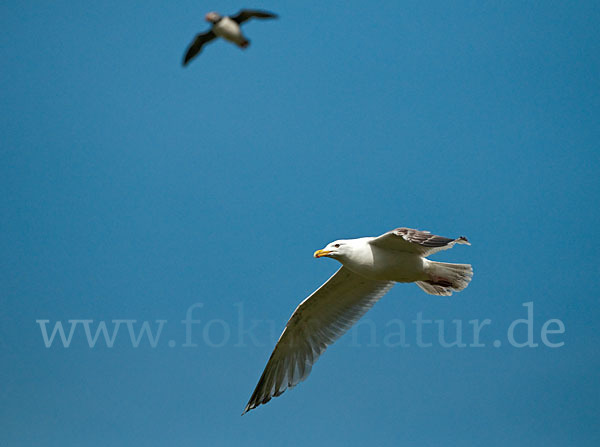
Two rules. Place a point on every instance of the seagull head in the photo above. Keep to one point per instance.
(335, 250)
(212, 17)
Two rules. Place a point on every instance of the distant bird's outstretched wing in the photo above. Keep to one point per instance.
(247, 14)
(197, 45)
(315, 324)
(414, 241)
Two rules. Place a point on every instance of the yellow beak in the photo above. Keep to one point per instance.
(321, 253)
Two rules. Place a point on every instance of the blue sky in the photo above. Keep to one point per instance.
(134, 189)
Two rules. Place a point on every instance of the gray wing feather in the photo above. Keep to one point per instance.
(316, 323)
(414, 241)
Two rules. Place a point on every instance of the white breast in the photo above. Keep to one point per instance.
(229, 30)
(389, 265)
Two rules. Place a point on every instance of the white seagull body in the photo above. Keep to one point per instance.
(370, 268)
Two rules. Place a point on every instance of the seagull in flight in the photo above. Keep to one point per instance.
(370, 268)
(226, 27)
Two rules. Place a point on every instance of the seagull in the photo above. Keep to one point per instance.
(370, 268)
(226, 27)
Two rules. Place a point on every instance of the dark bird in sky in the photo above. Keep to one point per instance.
(226, 27)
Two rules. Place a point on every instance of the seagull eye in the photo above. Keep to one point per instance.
(337, 245)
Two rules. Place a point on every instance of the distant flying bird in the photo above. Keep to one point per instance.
(226, 27)
(370, 268)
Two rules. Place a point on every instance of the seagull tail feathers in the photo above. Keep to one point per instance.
(446, 278)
